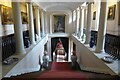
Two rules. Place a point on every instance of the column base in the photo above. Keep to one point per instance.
(40, 38)
(85, 43)
(75, 34)
(20, 52)
(50, 32)
(33, 43)
(99, 51)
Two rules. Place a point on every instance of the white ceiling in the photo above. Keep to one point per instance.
(59, 6)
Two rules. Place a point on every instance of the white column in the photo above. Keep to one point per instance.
(31, 24)
(81, 21)
(0, 45)
(77, 21)
(51, 24)
(72, 24)
(76, 25)
(42, 21)
(49, 48)
(71, 46)
(102, 28)
(97, 16)
(85, 18)
(18, 28)
(1, 28)
(45, 23)
(89, 23)
(1, 75)
(37, 17)
(27, 16)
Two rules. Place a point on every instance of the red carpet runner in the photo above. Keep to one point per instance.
(62, 71)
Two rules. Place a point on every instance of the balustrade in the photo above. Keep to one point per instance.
(94, 36)
(9, 46)
(112, 44)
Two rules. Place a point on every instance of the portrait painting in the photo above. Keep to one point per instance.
(119, 13)
(111, 12)
(6, 13)
(59, 23)
(24, 17)
(94, 15)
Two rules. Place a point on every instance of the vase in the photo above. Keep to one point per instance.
(27, 42)
(92, 43)
(45, 59)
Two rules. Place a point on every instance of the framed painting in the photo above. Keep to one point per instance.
(59, 23)
(119, 13)
(94, 15)
(111, 12)
(6, 13)
(24, 17)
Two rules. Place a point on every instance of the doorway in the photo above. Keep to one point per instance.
(65, 43)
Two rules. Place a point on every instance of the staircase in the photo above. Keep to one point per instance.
(87, 75)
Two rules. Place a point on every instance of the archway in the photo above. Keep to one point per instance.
(65, 42)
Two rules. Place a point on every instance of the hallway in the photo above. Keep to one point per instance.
(60, 54)
(30, 30)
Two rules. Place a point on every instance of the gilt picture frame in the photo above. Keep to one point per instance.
(6, 14)
(94, 15)
(119, 13)
(59, 23)
(111, 12)
(24, 18)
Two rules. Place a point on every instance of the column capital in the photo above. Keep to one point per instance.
(78, 9)
(74, 11)
(42, 11)
(36, 7)
(29, 2)
(83, 7)
(71, 10)
(89, 3)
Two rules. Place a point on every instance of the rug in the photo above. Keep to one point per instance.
(62, 71)
(61, 66)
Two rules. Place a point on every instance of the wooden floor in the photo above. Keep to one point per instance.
(88, 75)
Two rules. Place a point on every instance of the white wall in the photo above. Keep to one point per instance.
(69, 27)
(95, 23)
(70, 24)
(9, 28)
(58, 13)
(23, 7)
(87, 61)
(112, 25)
